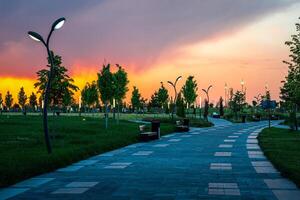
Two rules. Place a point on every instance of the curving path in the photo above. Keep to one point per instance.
(222, 162)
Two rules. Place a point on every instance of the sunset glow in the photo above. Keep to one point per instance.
(251, 49)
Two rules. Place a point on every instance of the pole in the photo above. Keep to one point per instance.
(269, 118)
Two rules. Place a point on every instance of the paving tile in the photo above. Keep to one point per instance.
(252, 137)
(70, 191)
(252, 141)
(280, 183)
(72, 168)
(174, 140)
(233, 192)
(255, 152)
(287, 194)
(265, 170)
(261, 164)
(186, 136)
(81, 184)
(161, 145)
(33, 182)
(225, 146)
(229, 140)
(115, 167)
(222, 154)
(142, 153)
(220, 166)
(213, 191)
(233, 136)
(11, 192)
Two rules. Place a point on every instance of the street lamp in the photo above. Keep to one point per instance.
(175, 92)
(225, 97)
(242, 84)
(37, 37)
(206, 92)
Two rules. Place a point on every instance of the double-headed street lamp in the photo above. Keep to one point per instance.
(175, 92)
(37, 37)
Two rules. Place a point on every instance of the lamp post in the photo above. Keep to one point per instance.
(242, 84)
(206, 92)
(175, 92)
(225, 97)
(37, 37)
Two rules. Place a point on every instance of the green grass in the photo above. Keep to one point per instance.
(23, 152)
(282, 147)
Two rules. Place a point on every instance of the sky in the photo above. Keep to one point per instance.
(215, 41)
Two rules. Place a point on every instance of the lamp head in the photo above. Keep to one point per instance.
(35, 36)
(58, 23)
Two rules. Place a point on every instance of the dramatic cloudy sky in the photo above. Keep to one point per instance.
(217, 41)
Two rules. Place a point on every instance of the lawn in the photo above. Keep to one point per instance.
(282, 147)
(22, 148)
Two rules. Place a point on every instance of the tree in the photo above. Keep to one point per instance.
(237, 102)
(89, 95)
(221, 107)
(62, 86)
(290, 91)
(162, 96)
(135, 98)
(180, 106)
(120, 85)
(106, 88)
(189, 90)
(22, 98)
(1, 103)
(8, 100)
(33, 101)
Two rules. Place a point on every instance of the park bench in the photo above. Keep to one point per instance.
(183, 125)
(154, 134)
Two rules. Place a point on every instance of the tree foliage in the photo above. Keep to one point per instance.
(62, 86)
(237, 102)
(135, 98)
(106, 84)
(221, 106)
(180, 106)
(89, 95)
(8, 100)
(22, 98)
(162, 95)
(120, 84)
(189, 90)
(33, 100)
(290, 91)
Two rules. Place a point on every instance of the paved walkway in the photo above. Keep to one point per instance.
(221, 162)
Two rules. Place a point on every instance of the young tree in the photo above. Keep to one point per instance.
(189, 90)
(8, 100)
(121, 87)
(135, 98)
(89, 95)
(221, 107)
(62, 86)
(162, 96)
(290, 91)
(237, 102)
(22, 98)
(180, 106)
(154, 101)
(106, 88)
(1, 101)
(33, 101)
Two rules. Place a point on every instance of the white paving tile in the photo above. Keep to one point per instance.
(220, 166)
(86, 162)
(142, 153)
(265, 170)
(261, 164)
(233, 136)
(225, 146)
(160, 145)
(252, 141)
(229, 140)
(174, 140)
(226, 154)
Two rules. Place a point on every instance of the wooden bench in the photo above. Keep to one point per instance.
(183, 125)
(148, 135)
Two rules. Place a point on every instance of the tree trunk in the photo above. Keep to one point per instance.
(106, 116)
(118, 119)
